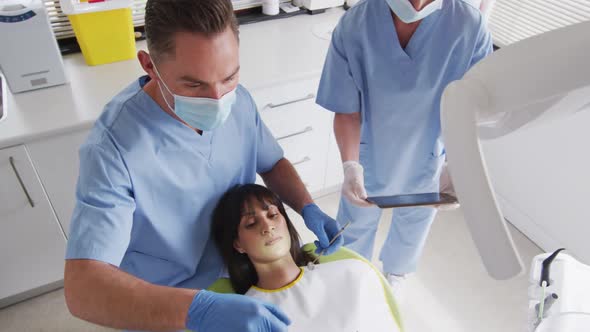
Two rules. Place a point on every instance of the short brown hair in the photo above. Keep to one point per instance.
(165, 18)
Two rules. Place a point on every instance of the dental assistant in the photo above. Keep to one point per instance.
(162, 153)
(388, 64)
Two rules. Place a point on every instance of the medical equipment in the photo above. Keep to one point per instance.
(545, 304)
(104, 29)
(311, 265)
(530, 82)
(270, 7)
(314, 5)
(565, 307)
(545, 300)
(30, 58)
(424, 199)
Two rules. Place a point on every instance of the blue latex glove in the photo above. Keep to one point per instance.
(324, 227)
(215, 312)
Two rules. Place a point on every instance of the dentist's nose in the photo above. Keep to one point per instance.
(216, 92)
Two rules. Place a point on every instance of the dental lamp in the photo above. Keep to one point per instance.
(527, 83)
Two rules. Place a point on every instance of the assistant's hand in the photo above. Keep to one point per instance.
(324, 227)
(353, 187)
(215, 312)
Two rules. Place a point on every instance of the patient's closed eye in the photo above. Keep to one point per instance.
(273, 212)
(250, 222)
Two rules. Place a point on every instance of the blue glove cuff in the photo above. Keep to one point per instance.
(198, 309)
(308, 207)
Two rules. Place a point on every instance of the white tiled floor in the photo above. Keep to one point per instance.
(451, 291)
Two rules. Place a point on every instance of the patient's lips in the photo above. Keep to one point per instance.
(273, 240)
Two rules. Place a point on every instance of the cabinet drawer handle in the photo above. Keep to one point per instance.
(271, 105)
(22, 185)
(305, 130)
(304, 160)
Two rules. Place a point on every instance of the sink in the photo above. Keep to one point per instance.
(3, 101)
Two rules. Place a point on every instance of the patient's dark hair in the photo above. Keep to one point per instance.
(226, 219)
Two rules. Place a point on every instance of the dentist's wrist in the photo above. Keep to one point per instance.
(194, 313)
(307, 207)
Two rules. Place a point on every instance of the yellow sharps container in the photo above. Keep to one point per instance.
(104, 30)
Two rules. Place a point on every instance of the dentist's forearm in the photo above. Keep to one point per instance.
(102, 294)
(347, 130)
(283, 180)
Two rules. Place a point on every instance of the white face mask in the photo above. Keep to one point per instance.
(200, 113)
(408, 14)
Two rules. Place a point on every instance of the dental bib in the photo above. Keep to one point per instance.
(340, 296)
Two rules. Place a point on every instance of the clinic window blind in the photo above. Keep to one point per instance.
(514, 20)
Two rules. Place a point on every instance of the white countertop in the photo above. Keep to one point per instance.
(270, 52)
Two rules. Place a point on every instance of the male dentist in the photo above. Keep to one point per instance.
(160, 156)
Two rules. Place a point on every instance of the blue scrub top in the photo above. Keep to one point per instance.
(398, 90)
(148, 185)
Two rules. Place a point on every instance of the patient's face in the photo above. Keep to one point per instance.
(263, 234)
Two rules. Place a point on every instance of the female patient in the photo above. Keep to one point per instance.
(261, 249)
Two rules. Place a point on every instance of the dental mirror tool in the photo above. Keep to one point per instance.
(311, 265)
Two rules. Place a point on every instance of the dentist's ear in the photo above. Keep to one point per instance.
(146, 63)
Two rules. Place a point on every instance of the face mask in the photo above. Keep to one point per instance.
(408, 14)
(200, 113)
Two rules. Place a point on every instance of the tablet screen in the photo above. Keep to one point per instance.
(413, 200)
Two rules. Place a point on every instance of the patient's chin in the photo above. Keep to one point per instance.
(274, 251)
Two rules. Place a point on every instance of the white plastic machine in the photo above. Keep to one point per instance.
(318, 4)
(30, 58)
(533, 81)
